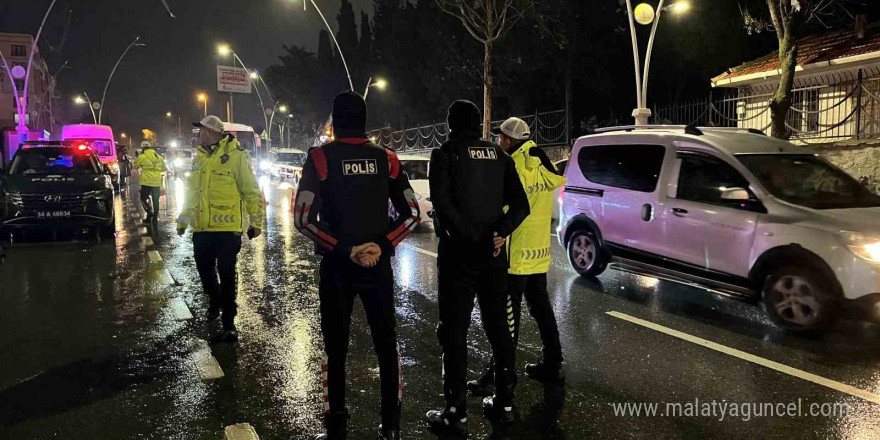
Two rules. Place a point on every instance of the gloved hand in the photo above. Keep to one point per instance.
(253, 232)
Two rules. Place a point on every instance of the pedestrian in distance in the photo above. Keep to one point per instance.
(151, 166)
(342, 205)
(472, 181)
(529, 249)
(220, 190)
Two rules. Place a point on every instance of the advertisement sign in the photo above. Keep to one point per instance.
(233, 80)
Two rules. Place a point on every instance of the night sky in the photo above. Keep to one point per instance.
(180, 57)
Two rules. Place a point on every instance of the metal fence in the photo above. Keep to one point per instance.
(548, 129)
(846, 109)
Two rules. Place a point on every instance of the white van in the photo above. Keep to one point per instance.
(735, 212)
(97, 137)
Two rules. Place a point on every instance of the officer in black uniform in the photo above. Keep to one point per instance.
(348, 183)
(472, 180)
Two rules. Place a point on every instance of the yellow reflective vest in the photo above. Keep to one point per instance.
(529, 245)
(151, 167)
(221, 190)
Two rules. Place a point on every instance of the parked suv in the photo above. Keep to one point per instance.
(54, 185)
(735, 212)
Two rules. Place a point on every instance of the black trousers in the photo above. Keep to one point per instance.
(150, 200)
(538, 300)
(218, 252)
(465, 273)
(341, 281)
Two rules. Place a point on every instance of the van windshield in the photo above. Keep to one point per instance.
(101, 147)
(806, 180)
(295, 159)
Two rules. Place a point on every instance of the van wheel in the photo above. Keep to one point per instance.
(799, 299)
(586, 255)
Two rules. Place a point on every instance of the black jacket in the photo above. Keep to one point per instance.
(349, 182)
(471, 182)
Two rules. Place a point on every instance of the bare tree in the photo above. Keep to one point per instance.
(487, 21)
(789, 18)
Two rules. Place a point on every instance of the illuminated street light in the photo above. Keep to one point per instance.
(124, 135)
(282, 109)
(79, 100)
(168, 114)
(380, 84)
(203, 98)
(224, 49)
(680, 7)
(254, 75)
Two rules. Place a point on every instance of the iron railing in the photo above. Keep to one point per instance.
(548, 129)
(820, 113)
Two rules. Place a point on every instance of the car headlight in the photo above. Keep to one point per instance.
(866, 247)
(265, 165)
(14, 197)
(178, 163)
(114, 167)
(187, 174)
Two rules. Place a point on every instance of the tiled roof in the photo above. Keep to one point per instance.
(813, 49)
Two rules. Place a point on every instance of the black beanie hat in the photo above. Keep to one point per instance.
(464, 116)
(349, 115)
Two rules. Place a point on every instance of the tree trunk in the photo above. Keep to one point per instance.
(781, 101)
(487, 89)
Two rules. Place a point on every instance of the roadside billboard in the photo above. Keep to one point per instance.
(233, 80)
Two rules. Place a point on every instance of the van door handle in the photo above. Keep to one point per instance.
(647, 212)
(679, 212)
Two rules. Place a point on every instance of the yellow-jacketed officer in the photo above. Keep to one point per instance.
(151, 166)
(529, 249)
(221, 192)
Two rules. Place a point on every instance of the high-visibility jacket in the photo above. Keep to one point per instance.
(529, 245)
(151, 166)
(221, 190)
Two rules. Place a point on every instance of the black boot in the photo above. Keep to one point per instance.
(336, 424)
(448, 421)
(229, 335)
(504, 412)
(546, 372)
(484, 386)
(388, 434)
(213, 313)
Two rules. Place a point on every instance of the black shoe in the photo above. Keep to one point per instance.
(482, 387)
(545, 372)
(336, 425)
(148, 220)
(504, 414)
(226, 337)
(213, 313)
(388, 434)
(447, 422)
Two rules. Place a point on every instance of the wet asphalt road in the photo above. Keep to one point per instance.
(91, 348)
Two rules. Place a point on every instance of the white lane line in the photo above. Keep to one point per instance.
(800, 374)
(180, 309)
(154, 256)
(241, 431)
(146, 241)
(206, 363)
(420, 250)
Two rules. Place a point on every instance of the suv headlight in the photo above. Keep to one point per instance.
(178, 163)
(866, 247)
(14, 197)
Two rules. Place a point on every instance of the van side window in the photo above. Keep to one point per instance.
(703, 178)
(634, 167)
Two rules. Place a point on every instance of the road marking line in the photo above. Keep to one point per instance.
(154, 256)
(420, 250)
(241, 431)
(800, 374)
(206, 363)
(146, 241)
(180, 309)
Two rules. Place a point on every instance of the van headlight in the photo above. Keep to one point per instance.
(265, 165)
(866, 247)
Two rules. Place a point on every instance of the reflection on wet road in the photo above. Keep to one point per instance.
(92, 348)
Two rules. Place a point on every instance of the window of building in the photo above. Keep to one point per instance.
(634, 167)
(19, 50)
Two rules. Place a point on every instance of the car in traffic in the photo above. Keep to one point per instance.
(178, 161)
(54, 185)
(731, 211)
(99, 138)
(285, 164)
(416, 169)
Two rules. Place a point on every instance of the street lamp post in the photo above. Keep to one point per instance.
(78, 100)
(104, 95)
(333, 36)
(203, 98)
(179, 132)
(645, 14)
(380, 84)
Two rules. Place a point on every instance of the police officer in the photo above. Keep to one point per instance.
(529, 248)
(342, 205)
(471, 182)
(220, 190)
(151, 166)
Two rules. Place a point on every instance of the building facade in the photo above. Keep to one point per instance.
(41, 94)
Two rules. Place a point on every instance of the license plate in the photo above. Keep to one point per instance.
(53, 214)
